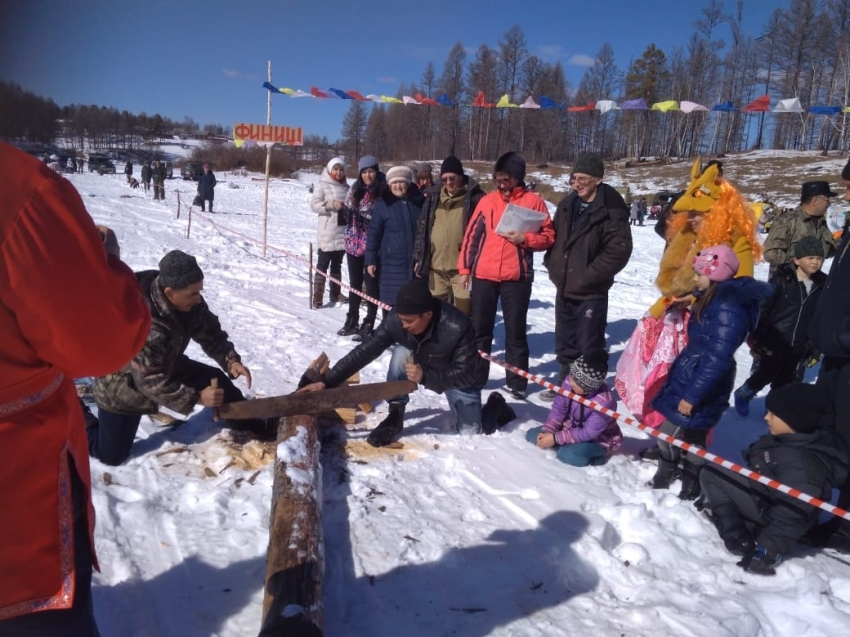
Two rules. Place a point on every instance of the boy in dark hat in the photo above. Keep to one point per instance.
(806, 220)
(761, 524)
(439, 232)
(581, 436)
(434, 347)
(161, 374)
(780, 340)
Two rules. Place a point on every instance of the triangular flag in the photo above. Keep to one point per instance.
(669, 105)
(635, 105)
(409, 100)
(317, 93)
(758, 105)
(790, 105)
(689, 107)
(603, 106)
(505, 102)
(529, 103)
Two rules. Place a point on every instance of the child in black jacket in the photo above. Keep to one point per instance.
(759, 523)
(780, 339)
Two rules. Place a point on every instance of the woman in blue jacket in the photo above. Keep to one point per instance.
(701, 379)
(392, 232)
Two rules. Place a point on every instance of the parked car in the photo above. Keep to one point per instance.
(101, 164)
(192, 170)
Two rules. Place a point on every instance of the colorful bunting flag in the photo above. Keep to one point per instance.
(635, 105)
(669, 105)
(758, 105)
(689, 107)
(791, 105)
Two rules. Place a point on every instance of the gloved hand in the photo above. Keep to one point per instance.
(761, 562)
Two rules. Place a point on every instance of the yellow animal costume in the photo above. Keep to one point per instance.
(728, 221)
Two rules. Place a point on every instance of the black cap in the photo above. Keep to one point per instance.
(179, 270)
(451, 164)
(808, 246)
(590, 164)
(414, 297)
(815, 188)
(511, 163)
(800, 405)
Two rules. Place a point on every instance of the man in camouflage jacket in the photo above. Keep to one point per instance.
(161, 374)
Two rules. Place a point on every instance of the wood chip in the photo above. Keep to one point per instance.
(210, 472)
(172, 450)
(107, 478)
(253, 477)
(412, 539)
(395, 445)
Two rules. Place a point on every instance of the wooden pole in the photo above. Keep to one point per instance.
(268, 164)
(189, 224)
(311, 277)
(178, 204)
(292, 605)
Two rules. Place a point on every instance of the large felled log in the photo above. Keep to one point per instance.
(292, 605)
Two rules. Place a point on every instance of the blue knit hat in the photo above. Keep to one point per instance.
(367, 162)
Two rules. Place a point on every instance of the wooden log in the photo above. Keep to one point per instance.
(292, 604)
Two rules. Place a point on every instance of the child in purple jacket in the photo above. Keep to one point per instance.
(581, 435)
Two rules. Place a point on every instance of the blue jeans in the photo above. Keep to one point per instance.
(579, 454)
(465, 404)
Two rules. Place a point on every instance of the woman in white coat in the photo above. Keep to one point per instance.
(327, 202)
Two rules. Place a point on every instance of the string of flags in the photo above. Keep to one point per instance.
(759, 105)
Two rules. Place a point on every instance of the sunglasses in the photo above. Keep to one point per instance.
(450, 179)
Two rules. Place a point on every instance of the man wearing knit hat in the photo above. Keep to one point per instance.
(760, 524)
(593, 242)
(498, 268)
(161, 374)
(830, 334)
(439, 232)
(434, 347)
(806, 219)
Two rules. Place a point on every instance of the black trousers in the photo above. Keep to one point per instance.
(514, 297)
(580, 328)
(79, 619)
(111, 440)
(835, 376)
(330, 259)
(777, 368)
(358, 279)
(203, 203)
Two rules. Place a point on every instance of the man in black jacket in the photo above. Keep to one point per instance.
(756, 522)
(434, 347)
(593, 242)
(829, 332)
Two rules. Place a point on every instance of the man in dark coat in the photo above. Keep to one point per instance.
(147, 173)
(161, 374)
(830, 334)
(159, 180)
(761, 524)
(206, 187)
(434, 347)
(128, 170)
(439, 233)
(593, 242)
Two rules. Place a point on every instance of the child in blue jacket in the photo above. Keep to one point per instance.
(700, 382)
(581, 435)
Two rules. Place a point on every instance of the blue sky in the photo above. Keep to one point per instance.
(208, 60)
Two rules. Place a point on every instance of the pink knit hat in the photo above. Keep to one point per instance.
(718, 263)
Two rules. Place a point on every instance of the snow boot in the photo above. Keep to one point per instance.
(496, 413)
(733, 532)
(664, 475)
(336, 294)
(389, 428)
(690, 480)
(743, 396)
(366, 330)
(549, 395)
(318, 290)
(350, 326)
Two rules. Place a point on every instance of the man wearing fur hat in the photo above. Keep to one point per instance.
(161, 374)
(807, 219)
(830, 334)
(434, 347)
(761, 524)
(593, 242)
(439, 233)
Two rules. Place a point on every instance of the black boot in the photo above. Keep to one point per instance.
(389, 428)
(733, 532)
(318, 291)
(350, 326)
(690, 480)
(664, 475)
(366, 330)
(496, 413)
(336, 294)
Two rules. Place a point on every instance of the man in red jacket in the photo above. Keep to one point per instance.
(500, 267)
(68, 308)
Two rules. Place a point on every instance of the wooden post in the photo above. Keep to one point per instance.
(268, 164)
(292, 605)
(178, 204)
(311, 277)
(189, 224)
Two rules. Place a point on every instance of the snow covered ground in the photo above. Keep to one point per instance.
(446, 536)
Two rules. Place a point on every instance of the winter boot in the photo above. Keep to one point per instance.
(366, 330)
(733, 532)
(318, 290)
(336, 294)
(496, 413)
(690, 480)
(350, 326)
(743, 396)
(549, 395)
(389, 428)
(664, 475)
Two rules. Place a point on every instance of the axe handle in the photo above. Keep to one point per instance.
(214, 385)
